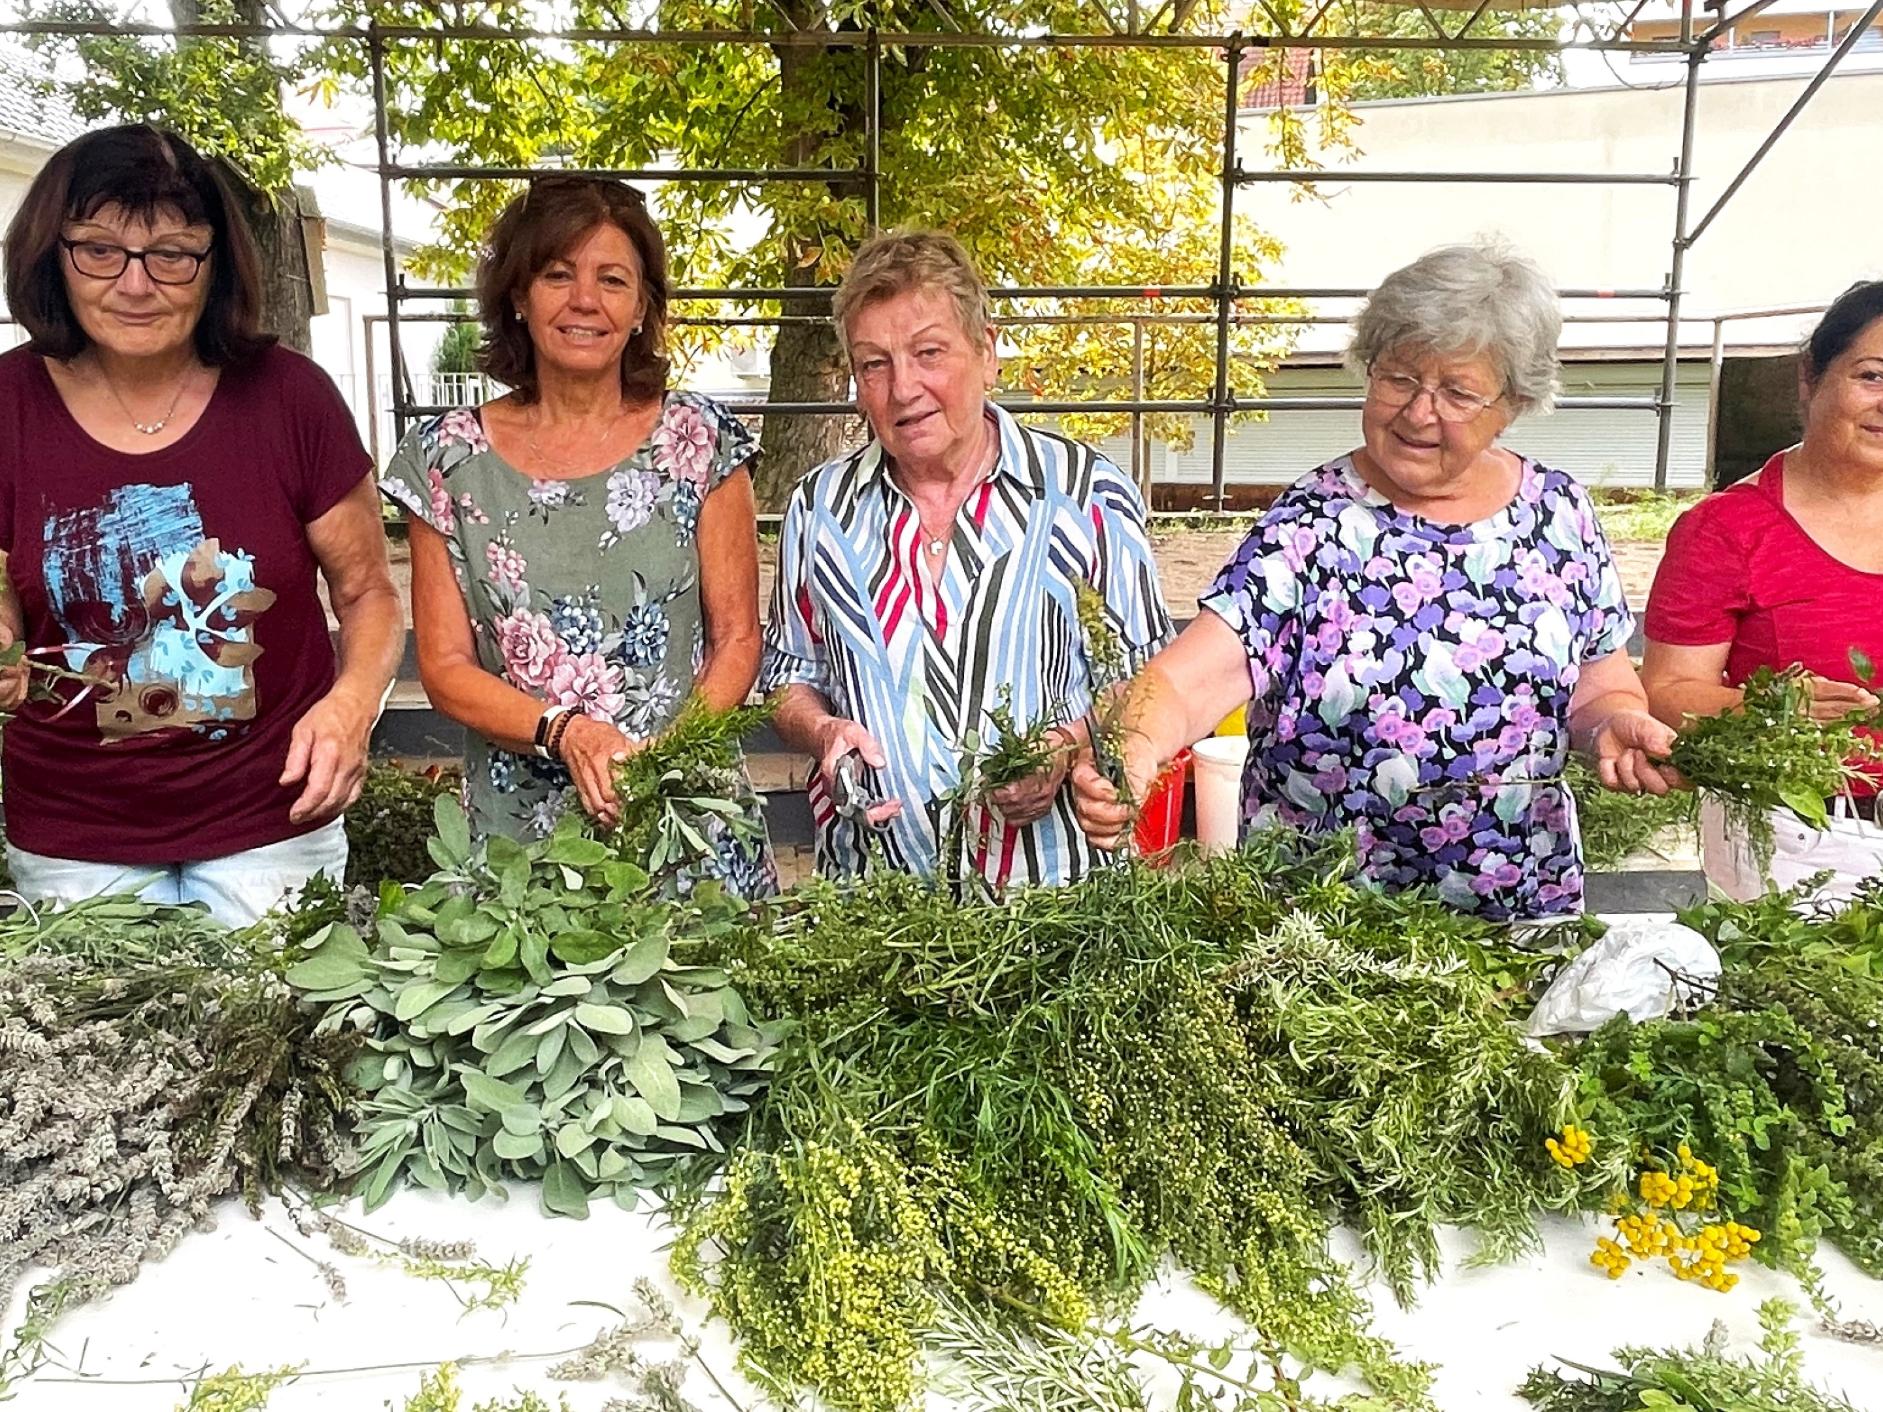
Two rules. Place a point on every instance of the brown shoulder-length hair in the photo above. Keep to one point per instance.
(145, 171)
(541, 226)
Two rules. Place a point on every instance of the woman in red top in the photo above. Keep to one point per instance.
(1786, 568)
(171, 484)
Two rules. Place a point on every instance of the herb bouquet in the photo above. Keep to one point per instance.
(537, 1011)
(992, 1113)
(151, 1063)
(1771, 755)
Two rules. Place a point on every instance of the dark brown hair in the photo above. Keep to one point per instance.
(541, 226)
(1843, 323)
(145, 171)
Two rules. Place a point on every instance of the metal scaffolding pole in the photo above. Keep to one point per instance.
(1307, 176)
(1677, 260)
(1850, 41)
(836, 39)
(865, 181)
(1242, 294)
(376, 56)
(1225, 274)
(873, 125)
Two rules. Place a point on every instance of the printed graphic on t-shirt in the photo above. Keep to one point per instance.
(157, 611)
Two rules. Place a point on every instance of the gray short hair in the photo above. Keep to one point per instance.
(899, 261)
(1473, 300)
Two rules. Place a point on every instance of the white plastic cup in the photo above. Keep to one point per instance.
(1218, 767)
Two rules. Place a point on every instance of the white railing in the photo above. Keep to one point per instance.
(428, 390)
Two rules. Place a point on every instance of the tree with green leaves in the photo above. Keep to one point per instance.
(223, 95)
(1432, 73)
(1054, 165)
(457, 349)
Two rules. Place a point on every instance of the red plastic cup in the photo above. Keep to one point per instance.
(1160, 821)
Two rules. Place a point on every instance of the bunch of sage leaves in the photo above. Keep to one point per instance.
(535, 1011)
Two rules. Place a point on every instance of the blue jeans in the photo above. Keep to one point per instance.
(237, 888)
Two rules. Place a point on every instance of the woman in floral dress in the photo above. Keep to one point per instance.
(1423, 627)
(584, 553)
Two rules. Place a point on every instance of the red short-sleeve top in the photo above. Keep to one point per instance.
(1740, 570)
(183, 580)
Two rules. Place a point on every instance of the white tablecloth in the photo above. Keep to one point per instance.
(236, 1294)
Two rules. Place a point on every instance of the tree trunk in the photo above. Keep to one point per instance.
(807, 362)
(807, 365)
(287, 282)
(287, 286)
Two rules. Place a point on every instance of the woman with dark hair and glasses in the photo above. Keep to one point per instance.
(1785, 569)
(1425, 626)
(172, 484)
(584, 547)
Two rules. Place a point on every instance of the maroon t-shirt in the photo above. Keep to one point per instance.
(183, 581)
(1739, 569)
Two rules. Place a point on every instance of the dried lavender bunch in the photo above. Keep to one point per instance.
(151, 1063)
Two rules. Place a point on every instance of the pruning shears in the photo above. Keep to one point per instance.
(854, 802)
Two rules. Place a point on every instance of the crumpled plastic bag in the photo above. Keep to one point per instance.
(1644, 968)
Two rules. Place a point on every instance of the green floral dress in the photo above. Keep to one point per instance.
(583, 592)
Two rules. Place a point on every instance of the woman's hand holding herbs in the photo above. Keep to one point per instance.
(13, 675)
(1106, 815)
(1834, 700)
(1027, 799)
(1626, 747)
(591, 749)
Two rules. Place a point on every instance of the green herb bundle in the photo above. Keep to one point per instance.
(538, 1012)
(1703, 1379)
(1109, 668)
(151, 1063)
(1770, 754)
(1779, 1083)
(682, 794)
(1003, 754)
(1614, 825)
(1029, 1106)
(1009, 751)
(388, 825)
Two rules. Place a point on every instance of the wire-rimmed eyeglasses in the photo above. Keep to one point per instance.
(1452, 403)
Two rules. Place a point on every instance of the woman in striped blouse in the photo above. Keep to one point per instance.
(925, 575)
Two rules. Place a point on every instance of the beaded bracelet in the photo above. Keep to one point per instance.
(557, 730)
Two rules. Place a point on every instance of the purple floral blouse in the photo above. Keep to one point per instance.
(1412, 680)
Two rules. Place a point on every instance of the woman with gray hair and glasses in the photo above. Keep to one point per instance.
(1424, 627)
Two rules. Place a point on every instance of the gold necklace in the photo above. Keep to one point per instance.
(938, 542)
(564, 467)
(147, 428)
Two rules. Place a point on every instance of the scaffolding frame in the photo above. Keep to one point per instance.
(1693, 42)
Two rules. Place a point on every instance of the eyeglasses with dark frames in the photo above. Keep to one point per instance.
(100, 259)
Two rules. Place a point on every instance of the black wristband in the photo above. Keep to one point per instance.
(558, 728)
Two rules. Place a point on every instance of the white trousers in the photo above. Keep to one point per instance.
(237, 888)
(1851, 849)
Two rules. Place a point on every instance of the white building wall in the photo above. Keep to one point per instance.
(1598, 447)
(355, 317)
(1801, 229)
(16, 168)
